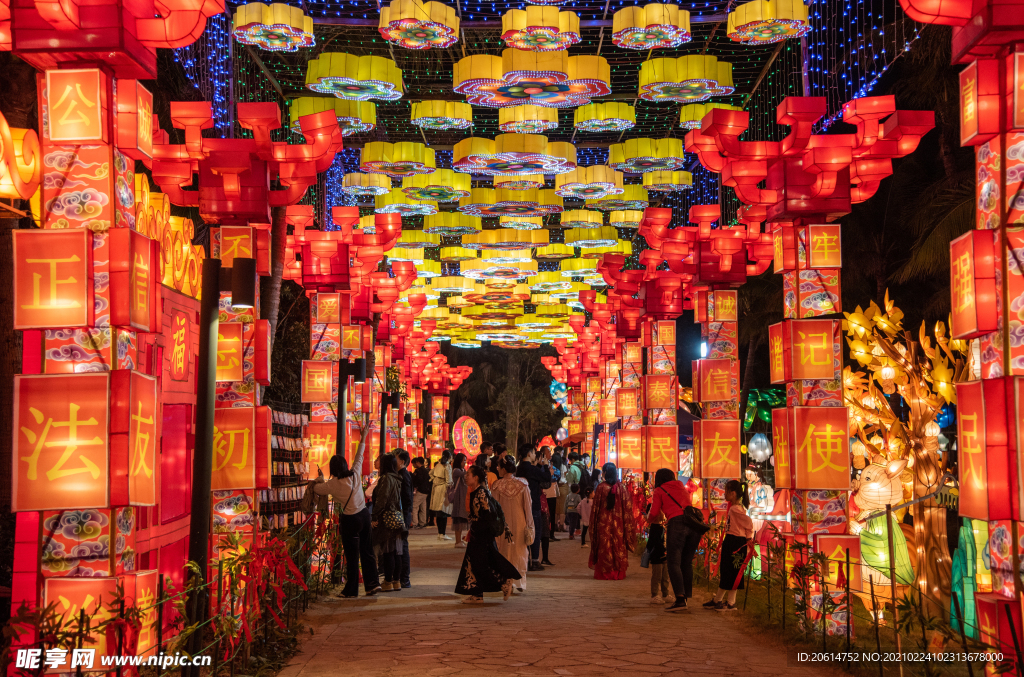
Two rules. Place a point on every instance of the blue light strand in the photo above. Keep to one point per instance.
(209, 68)
(333, 195)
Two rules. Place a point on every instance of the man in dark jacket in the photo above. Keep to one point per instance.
(535, 475)
(402, 456)
(421, 485)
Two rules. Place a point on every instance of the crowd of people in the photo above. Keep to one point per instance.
(506, 510)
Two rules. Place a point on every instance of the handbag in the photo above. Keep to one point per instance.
(453, 491)
(392, 519)
(645, 558)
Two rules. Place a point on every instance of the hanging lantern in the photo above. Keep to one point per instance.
(457, 301)
(587, 238)
(638, 156)
(555, 252)
(450, 254)
(540, 29)
(507, 256)
(365, 184)
(428, 269)
(763, 22)
(442, 115)
(543, 301)
(589, 182)
(604, 117)
(550, 282)
(417, 238)
(759, 448)
(451, 224)
(550, 79)
(522, 182)
(516, 222)
(668, 182)
(354, 117)
(481, 270)
(443, 185)
(650, 27)
(505, 238)
(396, 160)
(625, 219)
(578, 268)
(495, 291)
(413, 256)
(276, 28)
(513, 154)
(527, 119)
(487, 202)
(419, 25)
(632, 197)
(691, 114)
(452, 284)
(397, 202)
(581, 218)
(623, 247)
(357, 78)
(687, 79)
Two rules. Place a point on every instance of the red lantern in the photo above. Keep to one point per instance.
(53, 279)
(134, 431)
(717, 442)
(659, 392)
(973, 287)
(782, 450)
(986, 436)
(135, 120)
(76, 105)
(134, 279)
(230, 351)
(241, 443)
(724, 306)
(823, 246)
(318, 380)
(606, 408)
(626, 403)
(716, 380)
(662, 447)
(821, 445)
(261, 359)
(979, 102)
(835, 547)
(999, 622)
(802, 350)
(629, 449)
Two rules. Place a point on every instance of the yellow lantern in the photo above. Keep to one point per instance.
(691, 114)
(687, 79)
(581, 218)
(356, 78)
(629, 218)
(397, 202)
(517, 181)
(763, 22)
(604, 117)
(543, 301)
(458, 301)
(638, 156)
(451, 224)
(624, 247)
(667, 182)
(396, 160)
(632, 197)
(354, 117)
(569, 293)
(366, 184)
(488, 202)
(442, 115)
(551, 282)
(551, 311)
(555, 252)
(428, 269)
(650, 27)
(527, 119)
(589, 182)
(482, 270)
(449, 254)
(498, 291)
(550, 79)
(505, 238)
(452, 284)
(419, 25)
(579, 267)
(521, 222)
(414, 239)
(513, 155)
(587, 238)
(506, 256)
(442, 185)
(540, 29)
(276, 27)
(405, 254)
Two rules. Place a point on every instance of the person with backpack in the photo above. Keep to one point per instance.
(483, 567)
(672, 499)
(513, 495)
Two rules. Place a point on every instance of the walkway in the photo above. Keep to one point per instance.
(566, 624)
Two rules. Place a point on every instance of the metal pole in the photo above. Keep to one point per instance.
(785, 547)
(383, 422)
(892, 585)
(878, 620)
(202, 457)
(1013, 634)
(849, 607)
(768, 582)
(342, 411)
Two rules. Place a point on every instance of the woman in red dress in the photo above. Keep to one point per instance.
(612, 526)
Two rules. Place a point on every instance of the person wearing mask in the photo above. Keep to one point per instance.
(441, 477)
(615, 531)
(513, 495)
(737, 545)
(535, 473)
(671, 498)
(387, 536)
(346, 489)
(405, 566)
(483, 567)
(421, 498)
(457, 499)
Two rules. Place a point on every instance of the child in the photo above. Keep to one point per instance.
(584, 508)
(739, 540)
(572, 515)
(659, 568)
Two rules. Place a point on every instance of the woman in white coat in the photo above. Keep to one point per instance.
(441, 476)
(513, 495)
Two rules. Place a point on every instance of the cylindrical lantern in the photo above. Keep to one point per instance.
(516, 222)
(632, 197)
(442, 185)
(625, 219)
(604, 117)
(578, 267)
(587, 238)
(418, 238)
(763, 22)
(527, 119)
(397, 202)
(667, 182)
(518, 182)
(451, 224)
(505, 238)
(555, 252)
(540, 29)
(623, 247)
(366, 184)
(638, 156)
(449, 254)
(581, 218)
(396, 160)
(589, 182)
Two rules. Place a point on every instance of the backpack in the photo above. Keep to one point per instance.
(311, 502)
(586, 481)
(494, 521)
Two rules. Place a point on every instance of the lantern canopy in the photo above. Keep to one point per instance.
(540, 29)
(581, 218)
(518, 181)
(358, 78)
(650, 27)
(551, 79)
(419, 25)
(451, 224)
(354, 117)
(763, 22)
(442, 115)
(276, 27)
(687, 79)
(488, 202)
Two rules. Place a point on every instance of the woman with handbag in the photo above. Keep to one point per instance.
(513, 495)
(672, 499)
(441, 476)
(457, 499)
(388, 522)
(483, 568)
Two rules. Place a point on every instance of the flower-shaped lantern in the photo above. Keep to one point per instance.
(624, 247)
(632, 197)
(691, 114)
(414, 239)
(518, 181)
(527, 119)
(639, 156)
(506, 239)
(589, 183)
(451, 224)
(357, 78)
(488, 202)
(763, 22)
(396, 160)
(540, 29)
(667, 182)
(419, 25)
(551, 79)
(483, 270)
(687, 79)
(442, 115)
(650, 27)
(604, 117)
(521, 222)
(366, 184)
(354, 117)
(587, 238)
(276, 27)
(629, 218)
(397, 202)
(457, 254)
(581, 218)
(513, 154)
(555, 252)
(442, 185)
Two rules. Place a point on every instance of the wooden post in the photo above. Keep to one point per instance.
(849, 608)
(892, 585)
(878, 636)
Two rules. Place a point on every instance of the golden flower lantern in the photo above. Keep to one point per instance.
(419, 25)
(498, 291)
(578, 267)
(587, 238)
(632, 197)
(449, 254)
(457, 301)
(687, 79)
(354, 117)
(638, 156)
(396, 160)
(527, 119)
(482, 270)
(518, 181)
(521, 222)
(499, 256)
(569, 293)
(540, 29)
(428, 269)
(613, 116)
(555, 252)
(562, 331)
(397, 202)
(543, 301)
(532, 322)
(357, 78)
(650, 27)
(442, 115)
(276, 27)
(581, 218)
(452, 284)
(505, 238)
(366, 184)
(550, 79)
(629, 218)
(414, 239)
(551, 282)
(451, 224)
(624, 247)
(405, 254)
(442, 185)
(667, 182)
(763, 22)
(551, 311)
(589, 182)
(488, 202)
(513, 155)
(691, 114)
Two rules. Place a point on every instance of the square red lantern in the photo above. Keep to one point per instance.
(778, 354)
(987, 432)
(717, 442)
(823, 246)
(972, 258)
(821, 448)
(76, 105)
(53, 279)
(261, 357)
(835, 546)
(606, 411)
(999, 622)
(134, 431)
(802, 350)
(659, 392)
(979, 102)
(784, 245)
(328, 309)
(95, 596)
(589, 420)
(665, 333)
(140, 591)
(661, 447)
(181, 346)
(235, 242)
(230, 351)
(626, 403)
(781, 448)
(594, 385)
(575, 426)
(318, 382)
(716, 380)
(629, 449)
(134, 279)
(241, 448)
(134, 120)
(724, 306)
(632, 353)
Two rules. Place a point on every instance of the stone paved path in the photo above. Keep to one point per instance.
(566, 624)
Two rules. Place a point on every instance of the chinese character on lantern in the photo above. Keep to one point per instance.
(725, 306)
(328, 311)
(230, 349)
(606, 410)
(778, 353)
(76, 106)
(812, 355)
(659, 392)
(781, 449)
(181, 346)
(715, 380)
(822, 454)
(235, 243)
(317, 381)
(626, 402)
(662, 447)
(973, 285)
(322, 445)
(234, 453)
(823, 247)
(719, 444)
(628, 450)
(53, 285)
(142, 434)
(665, 333)
(95, 596)
(972, 444)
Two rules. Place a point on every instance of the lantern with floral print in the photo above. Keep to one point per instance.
(518, 181)
(632, 197)
(585, 183)
(354, 117)
(276, 28)
(688, 79)
(442, 115)
(451, 224)
(488, 202)
(763, 22)
(419, 25)
(551, 79)
(540, 29)
(396, 160)
(513, 154)
(442, 185)
(527, 119)
(397, 202)
(604, 117)
(650, 27)
(357, 78)
(639, 156)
